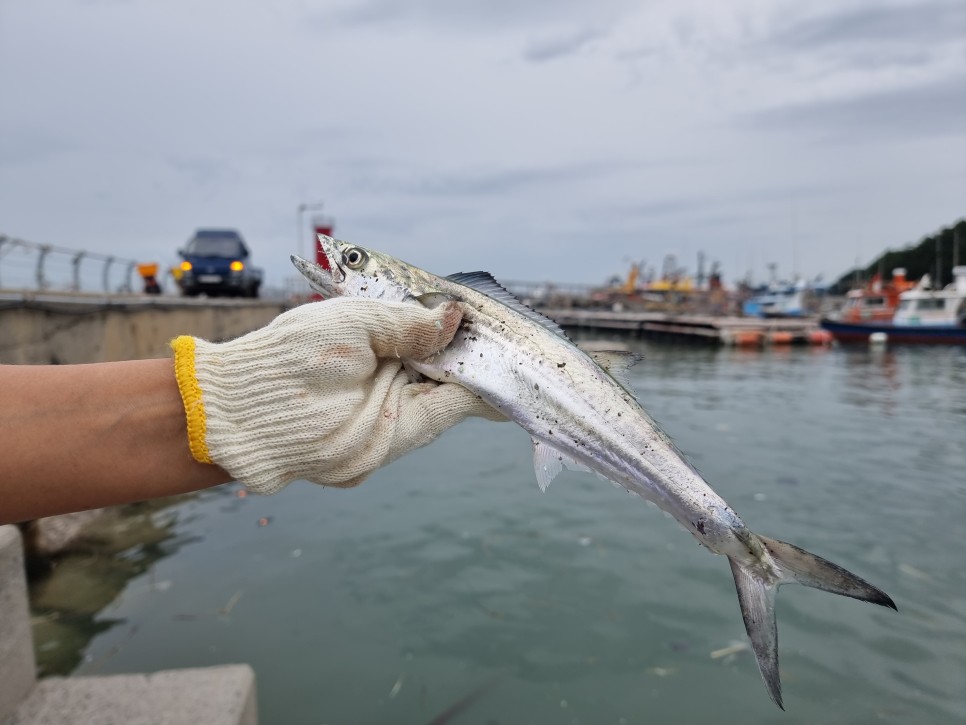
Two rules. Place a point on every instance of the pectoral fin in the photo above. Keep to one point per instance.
(433, 299)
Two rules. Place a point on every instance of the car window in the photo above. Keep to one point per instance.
(216, 247)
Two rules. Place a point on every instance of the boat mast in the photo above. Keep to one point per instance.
(955, 246)
(939, 261)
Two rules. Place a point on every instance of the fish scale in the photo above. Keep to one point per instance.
(580, 414)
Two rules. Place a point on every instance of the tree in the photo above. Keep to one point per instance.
(934, 255)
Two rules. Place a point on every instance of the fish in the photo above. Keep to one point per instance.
(581, 414)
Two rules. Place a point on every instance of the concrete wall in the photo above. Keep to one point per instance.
(62, 329)
(17, 669)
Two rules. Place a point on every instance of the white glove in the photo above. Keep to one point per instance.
(320, 393)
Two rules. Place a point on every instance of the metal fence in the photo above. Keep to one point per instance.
(33, 266)
(28, 265)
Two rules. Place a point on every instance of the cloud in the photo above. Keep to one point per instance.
(933, 109)
(204, 171)
(486, 133)
(919, 23)
(23, 145)
(865, 38)
(470, 15)
(484, 183)
(557, 46)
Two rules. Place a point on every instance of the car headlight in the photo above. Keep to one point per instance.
(186, 266)
(237, 266)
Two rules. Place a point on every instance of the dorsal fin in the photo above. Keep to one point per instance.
(617, 363)
(484, 283)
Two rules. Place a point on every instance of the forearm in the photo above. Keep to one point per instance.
(76, 437)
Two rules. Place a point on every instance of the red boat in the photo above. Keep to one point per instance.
(876, 302)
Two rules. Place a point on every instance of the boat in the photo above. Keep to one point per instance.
(778, 300)
(924, 316)
(877, 301)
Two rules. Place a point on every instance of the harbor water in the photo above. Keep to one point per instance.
(447, 588)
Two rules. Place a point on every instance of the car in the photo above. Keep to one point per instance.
(216, 263)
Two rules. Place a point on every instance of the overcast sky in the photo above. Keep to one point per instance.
(536, 139)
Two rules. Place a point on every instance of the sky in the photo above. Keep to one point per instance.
(535, 139)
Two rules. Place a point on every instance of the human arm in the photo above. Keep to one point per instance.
(319, 393)
(75, 437)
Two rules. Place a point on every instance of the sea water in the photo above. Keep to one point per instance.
(448, 580)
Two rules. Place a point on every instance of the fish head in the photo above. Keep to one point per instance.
(349, 270)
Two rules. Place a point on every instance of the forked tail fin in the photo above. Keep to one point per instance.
(757, 585)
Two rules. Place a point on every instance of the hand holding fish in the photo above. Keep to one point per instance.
(320, 393)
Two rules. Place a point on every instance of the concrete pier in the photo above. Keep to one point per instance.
(17, 666)
(740, 331)
(51, 328)
(222, 695)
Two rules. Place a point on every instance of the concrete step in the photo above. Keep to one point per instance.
(223, 695)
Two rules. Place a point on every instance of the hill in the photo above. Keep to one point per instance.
(918, 259)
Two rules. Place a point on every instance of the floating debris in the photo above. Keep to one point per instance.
(463, 703)
(660, 671)
(398, 686)
(226, 610)
(732, 649)
(910, 570)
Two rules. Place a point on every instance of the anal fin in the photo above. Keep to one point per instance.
(549, 461)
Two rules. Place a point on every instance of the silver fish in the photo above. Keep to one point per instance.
(580, 414)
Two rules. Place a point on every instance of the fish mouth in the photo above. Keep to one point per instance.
(321, 279)
(330, 257)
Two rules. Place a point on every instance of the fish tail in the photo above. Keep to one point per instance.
(757, 583)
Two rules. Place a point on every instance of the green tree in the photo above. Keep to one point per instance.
(934, 255)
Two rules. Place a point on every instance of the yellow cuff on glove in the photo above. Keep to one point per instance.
(194, 406)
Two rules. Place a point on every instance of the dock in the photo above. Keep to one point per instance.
(736, 331)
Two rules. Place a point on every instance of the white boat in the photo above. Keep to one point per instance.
(926, 307)
(779, 300)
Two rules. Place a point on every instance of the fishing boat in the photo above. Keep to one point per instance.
(877, 301)
(924, 316)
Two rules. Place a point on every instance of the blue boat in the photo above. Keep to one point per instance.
(924, 316)
(778, 300)
(847, 332)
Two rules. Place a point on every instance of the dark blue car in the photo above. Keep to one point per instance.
(216, 263)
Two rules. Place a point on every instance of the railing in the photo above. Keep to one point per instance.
(544, 291)
(33, 266)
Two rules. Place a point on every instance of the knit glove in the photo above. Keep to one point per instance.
(320, 393)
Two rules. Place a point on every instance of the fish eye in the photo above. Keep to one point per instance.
(354, 258)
